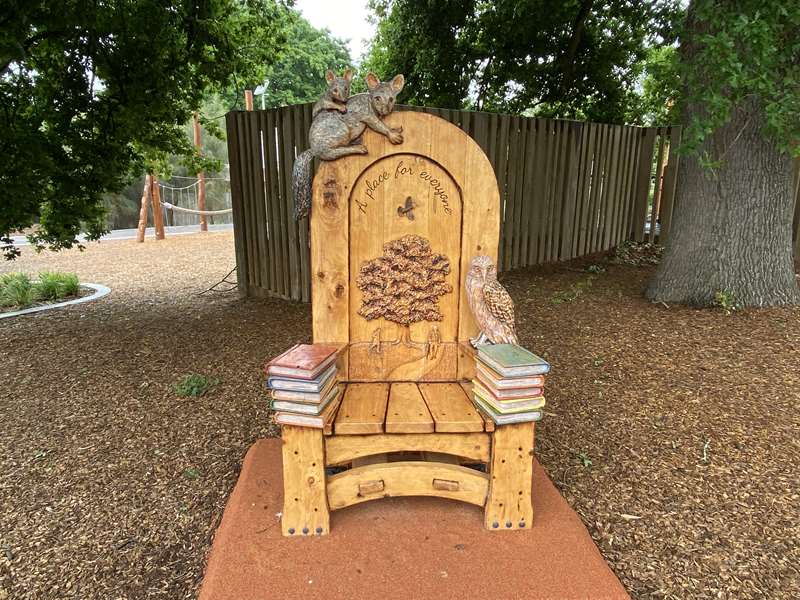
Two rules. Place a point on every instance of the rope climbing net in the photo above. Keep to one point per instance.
(182, 199)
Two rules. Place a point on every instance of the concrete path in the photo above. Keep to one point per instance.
(405, 548)
(130, 234)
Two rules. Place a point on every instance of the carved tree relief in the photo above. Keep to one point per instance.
(404, 284)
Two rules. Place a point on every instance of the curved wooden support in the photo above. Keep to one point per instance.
(407, 479)
(342, 449)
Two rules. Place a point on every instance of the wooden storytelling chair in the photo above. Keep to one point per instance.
(406, 424)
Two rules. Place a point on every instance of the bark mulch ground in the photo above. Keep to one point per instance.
(672, 431)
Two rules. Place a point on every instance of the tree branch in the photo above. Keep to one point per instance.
(568, 58)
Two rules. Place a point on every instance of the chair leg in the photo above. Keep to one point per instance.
(305, 502)
(508, 505)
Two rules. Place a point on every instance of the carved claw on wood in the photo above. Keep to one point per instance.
(480, 340)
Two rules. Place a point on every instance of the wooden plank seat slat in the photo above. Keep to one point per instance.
(488, 424)
(407, 411)
(451, 409)
(381, 407)
(363, 409)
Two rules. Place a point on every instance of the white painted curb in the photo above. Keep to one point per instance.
(99, 292)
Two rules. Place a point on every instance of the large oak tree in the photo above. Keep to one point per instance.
(732, 228)
(577, 58)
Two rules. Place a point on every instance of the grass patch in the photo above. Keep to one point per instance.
(18, 290)
(54, 286)
(195, 385)
(574, 291)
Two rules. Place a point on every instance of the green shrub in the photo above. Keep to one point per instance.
(726, 301)
(52, 286)
(16, 289)
(194, 385)
(70, 284)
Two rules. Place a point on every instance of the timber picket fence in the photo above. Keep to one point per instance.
(568, 189)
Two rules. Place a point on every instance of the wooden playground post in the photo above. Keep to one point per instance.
(248, 99)
(143, 209)
(158, 215)
(201, 176)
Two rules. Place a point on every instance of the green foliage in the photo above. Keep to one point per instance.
(736, 54)
(95, 92)
(191, 473)
(584, 459)
(658, 102)
(195, 385)
(299, 74)
(574, 292)
(16, 289)
(596, 269)
(567, 59)
(726, 300)
(52, 286)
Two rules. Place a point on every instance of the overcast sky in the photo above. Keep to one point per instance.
(347, 19)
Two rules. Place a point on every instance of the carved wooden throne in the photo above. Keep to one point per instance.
(406, 424)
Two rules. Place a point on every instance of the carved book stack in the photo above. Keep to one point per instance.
(509, 384)
(304, 385)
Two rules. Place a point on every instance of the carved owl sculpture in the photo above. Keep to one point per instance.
(490, 303)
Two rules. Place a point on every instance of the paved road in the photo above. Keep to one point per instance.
(130, 234)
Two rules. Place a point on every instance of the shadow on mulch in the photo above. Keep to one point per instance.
(671, 431)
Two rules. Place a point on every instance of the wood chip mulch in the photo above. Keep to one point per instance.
(671, 431)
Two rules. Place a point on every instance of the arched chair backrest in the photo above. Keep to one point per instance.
(434, 200)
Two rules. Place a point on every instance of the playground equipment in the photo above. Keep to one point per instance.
(170, 201)
(166, 197)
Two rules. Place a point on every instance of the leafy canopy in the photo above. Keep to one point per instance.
(568, 59)
(737, 54)
(94, 92)
(299, 75)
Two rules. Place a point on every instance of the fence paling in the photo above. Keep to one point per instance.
(236, 202)
(568, 189)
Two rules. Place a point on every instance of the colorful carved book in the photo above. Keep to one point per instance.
(303, 361)
(510, 360)
(508, 406)
(313, 421)
(498, 382)
(501, 419)
(302, 385)
(306, 397)
(521, 393)
(305, 409)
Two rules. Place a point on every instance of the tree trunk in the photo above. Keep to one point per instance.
(732, 227)
(732, 223)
